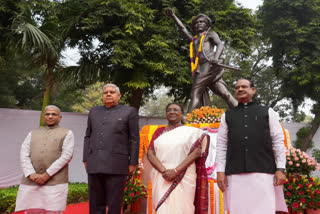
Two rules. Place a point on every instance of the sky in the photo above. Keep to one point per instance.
(252, 4)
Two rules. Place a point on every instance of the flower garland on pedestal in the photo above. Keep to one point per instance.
(205, 114)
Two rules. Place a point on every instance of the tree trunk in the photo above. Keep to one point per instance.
(46, 96)
(136, 98)
(314, 128)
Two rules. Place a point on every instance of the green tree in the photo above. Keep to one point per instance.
(155, 105)
(91, 96)
(292, 27)
(41, 31)
(8, 79)
(135, 45)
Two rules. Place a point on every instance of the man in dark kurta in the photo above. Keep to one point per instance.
(111, 147)
(251, 156)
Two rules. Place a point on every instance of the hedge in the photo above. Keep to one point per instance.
(78, 192)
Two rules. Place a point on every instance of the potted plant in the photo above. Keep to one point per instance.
(302, 192)
(299, 162)
(134, 190)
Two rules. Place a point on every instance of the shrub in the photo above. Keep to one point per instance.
(300, 162)
(78, 192)
(301, 135)
(302, 192)
(8, 199)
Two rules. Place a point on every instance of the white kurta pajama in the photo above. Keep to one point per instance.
(53, 198)
(171, 149)
(253, 193)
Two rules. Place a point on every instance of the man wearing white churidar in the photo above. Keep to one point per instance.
(251, 157)
(45, 154)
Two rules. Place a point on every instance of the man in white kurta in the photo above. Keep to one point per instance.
(251, 185)
(45, 154)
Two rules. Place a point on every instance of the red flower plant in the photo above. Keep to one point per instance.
(134, 189)
(301, 193)
(295, 205)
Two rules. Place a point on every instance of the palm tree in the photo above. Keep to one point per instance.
(42, 32)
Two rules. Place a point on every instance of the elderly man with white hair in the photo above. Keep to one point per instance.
(45, 154)
(111, 149)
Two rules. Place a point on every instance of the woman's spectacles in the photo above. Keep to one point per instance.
(172, 110)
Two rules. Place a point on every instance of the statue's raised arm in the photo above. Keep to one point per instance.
(186, 33)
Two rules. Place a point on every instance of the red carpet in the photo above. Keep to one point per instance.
(82, 208)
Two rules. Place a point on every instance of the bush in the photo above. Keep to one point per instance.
(316, 154)
(78, 192)
(302, 192)
(301, 135)
(8, 199)
(300, 162)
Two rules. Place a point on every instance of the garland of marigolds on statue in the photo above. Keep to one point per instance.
(194, 62)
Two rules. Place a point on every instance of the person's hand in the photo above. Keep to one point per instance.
(214, 61)
(132, 168)
(222, 181)
(33, 177)
(279, 178)
(42, 178)
(169, 175)
(170, 12)
(85, 164)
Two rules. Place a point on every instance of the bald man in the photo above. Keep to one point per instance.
(45, 154)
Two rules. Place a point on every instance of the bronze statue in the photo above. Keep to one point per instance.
(206, 64)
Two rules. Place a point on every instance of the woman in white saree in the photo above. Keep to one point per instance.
(177, 154)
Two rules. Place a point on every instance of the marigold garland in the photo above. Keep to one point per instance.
(205, 114)
(221, 202)
(211, 186)
(288, 135)
(194, 62)
(285, 136)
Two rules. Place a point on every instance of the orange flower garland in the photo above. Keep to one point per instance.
(285, 136)
(211, 192)
(205, 114)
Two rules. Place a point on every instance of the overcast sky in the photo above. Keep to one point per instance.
(252, 4)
